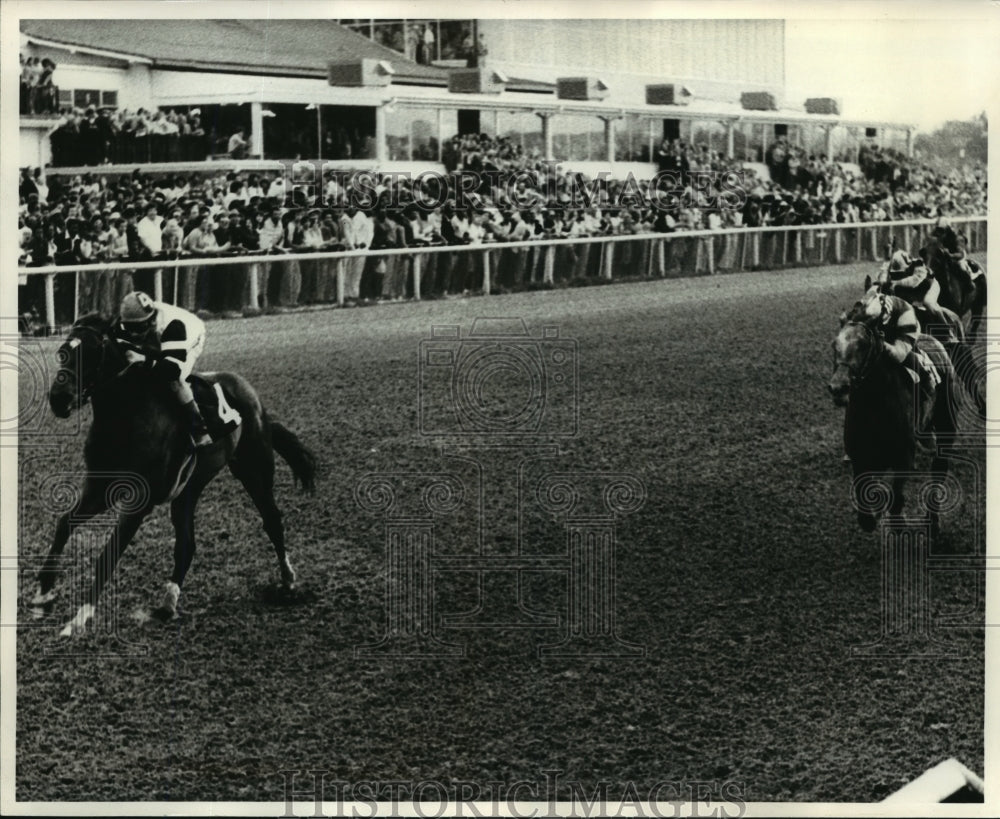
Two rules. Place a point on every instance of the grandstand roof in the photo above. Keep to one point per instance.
(279, 47)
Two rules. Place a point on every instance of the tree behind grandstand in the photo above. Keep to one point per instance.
(956, 143)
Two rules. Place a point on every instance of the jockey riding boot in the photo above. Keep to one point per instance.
(199, 432)
(926, 380)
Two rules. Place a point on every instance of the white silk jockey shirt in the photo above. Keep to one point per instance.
(181, 335)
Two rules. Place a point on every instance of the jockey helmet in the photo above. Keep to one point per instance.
(137, 313)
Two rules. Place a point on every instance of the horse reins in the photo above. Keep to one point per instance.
(88, 389)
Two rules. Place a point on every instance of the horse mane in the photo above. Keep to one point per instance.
(94, 321)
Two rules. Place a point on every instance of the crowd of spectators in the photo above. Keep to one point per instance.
(112, 136)
(39, 94)
(519, 197)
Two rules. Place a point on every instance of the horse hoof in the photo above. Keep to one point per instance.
(41, 603)
(71, 629)
(78, 625)
(163, 614)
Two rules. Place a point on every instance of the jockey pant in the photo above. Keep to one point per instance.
(181, 390)
(179, 386)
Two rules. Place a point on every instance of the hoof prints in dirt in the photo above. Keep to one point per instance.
(274, 595)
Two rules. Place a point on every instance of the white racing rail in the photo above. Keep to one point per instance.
(705, 251)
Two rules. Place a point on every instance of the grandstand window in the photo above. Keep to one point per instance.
(348, 132)
(397, 133)
(109, 99)
(424, 135)
(522, 128)
(578, 138)
(85, 97)
(65, 98)
(632, 139)
(453, 39)
(814, 139)
(845, 144)
(709, 132)
(894, 138)
(449, 123)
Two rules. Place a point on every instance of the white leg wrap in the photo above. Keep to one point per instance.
(171, 596)
(78, 623)
(40, 601)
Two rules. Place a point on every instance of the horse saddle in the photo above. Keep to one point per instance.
(216, 405)
(928, 377)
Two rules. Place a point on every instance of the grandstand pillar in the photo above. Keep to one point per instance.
(730, 134)
(609, 261)
(50, 301)
(486, 272)
(341, 273)
(546, 132)
(442, 137)
(829, 141)
(909, 142)
(609, 135)
(381, 149)
(257, 129)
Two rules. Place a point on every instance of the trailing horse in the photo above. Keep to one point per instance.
(136, 434)
(958, 293)
(944, 324)
(887, 412)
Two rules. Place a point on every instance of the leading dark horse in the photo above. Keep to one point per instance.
(136, 438)
(887, 412)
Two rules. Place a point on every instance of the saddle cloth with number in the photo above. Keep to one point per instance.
(216, 405)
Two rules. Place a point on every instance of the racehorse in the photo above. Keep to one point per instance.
(886, 412)
(957, 292)
(136, 436)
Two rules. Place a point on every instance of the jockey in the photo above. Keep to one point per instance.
(912, 280)
(900, 327)
(172, 339)
(955, 244)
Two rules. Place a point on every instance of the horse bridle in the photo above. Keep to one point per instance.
(871, 360)
(87, 390)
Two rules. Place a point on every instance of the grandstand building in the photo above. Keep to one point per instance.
(592, 94)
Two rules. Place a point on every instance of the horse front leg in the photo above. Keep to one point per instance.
(939, 474)
(898, 496)
(182, 516)
(865, 496)
(92, 502)
(128, 524)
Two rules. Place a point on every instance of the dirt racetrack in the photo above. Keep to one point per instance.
(744, 577)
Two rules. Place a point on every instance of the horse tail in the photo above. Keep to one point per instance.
(302, 461)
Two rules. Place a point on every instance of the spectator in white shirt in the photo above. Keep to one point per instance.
(238, 145)
(150, 231)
